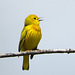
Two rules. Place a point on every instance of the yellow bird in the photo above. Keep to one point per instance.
(30, 37)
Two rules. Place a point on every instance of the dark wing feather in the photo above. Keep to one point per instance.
(22, 39)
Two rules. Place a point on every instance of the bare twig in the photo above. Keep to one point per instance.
(46, 51)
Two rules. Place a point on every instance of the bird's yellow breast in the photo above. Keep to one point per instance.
(33, 37)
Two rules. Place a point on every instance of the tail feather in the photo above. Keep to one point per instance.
(25, 62)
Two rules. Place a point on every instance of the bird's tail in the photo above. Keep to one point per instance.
(25, 62)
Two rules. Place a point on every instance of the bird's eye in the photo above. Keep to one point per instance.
(35, 18)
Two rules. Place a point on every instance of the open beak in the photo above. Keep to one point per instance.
(40, 19)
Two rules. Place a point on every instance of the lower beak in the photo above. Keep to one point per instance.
(40, 19)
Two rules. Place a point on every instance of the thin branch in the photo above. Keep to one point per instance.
(46, 51)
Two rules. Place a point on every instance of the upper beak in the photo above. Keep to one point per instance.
(40, 19)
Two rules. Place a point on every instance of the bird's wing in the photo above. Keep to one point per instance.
(22, 39)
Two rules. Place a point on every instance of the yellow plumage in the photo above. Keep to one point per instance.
(30, 37)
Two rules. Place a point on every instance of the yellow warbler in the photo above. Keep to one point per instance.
(30, 37)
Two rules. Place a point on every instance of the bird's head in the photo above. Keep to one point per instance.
(32, 19)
